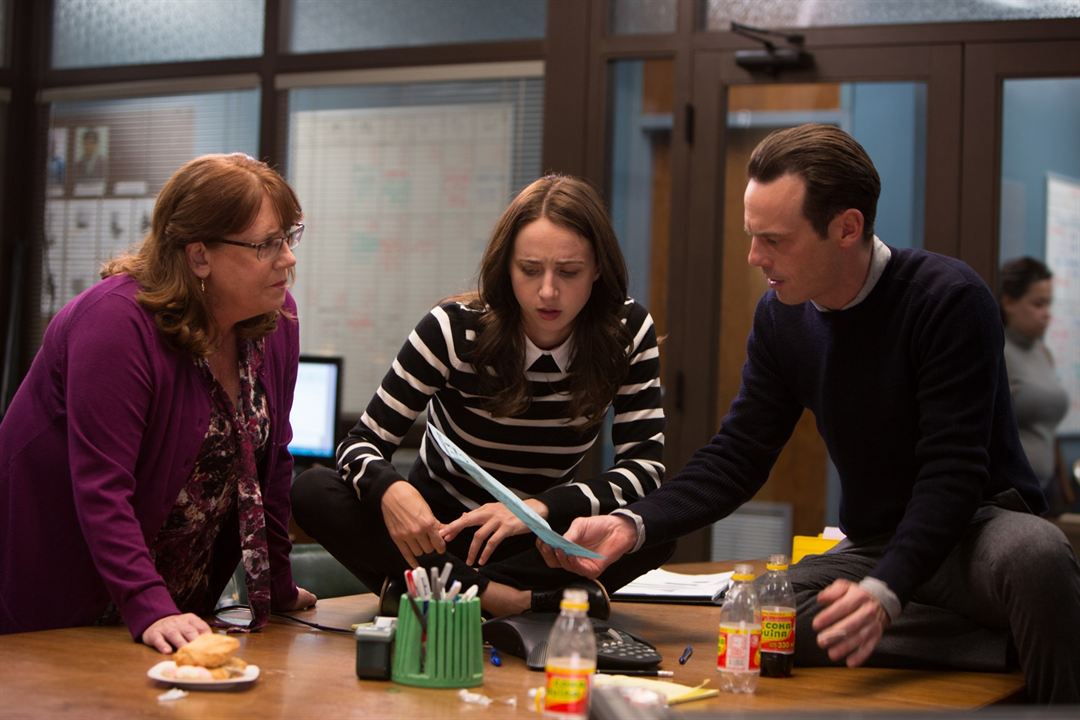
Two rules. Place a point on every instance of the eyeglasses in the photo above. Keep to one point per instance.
(270, 249)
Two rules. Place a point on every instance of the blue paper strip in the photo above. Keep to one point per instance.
(503, 494)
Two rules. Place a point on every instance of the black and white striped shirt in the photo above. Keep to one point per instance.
(534, 453)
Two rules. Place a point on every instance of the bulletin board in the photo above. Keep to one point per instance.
(399, 204)
(96, 210)
(80, 235)
(1063, 259)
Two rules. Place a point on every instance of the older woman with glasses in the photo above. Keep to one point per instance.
(145, 453)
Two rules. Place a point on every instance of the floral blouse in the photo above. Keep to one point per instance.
(223, 481)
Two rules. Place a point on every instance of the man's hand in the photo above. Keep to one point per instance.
(496, 523)
(851, 624)
(610, 535)
(174, 631)
(412, 526)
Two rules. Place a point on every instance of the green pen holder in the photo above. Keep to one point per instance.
(449, 653)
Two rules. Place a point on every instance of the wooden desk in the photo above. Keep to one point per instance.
(100, 673)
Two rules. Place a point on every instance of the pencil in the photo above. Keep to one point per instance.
(636, 673)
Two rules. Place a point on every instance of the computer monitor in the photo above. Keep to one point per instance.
(316, 409)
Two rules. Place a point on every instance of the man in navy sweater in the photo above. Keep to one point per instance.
(898, 353)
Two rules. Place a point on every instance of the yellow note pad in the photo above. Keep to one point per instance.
(803, 545)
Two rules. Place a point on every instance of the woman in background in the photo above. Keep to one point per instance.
(1039, 399)
(520, 375)
(146, 450)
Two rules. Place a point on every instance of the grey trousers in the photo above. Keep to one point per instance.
(1011, 585)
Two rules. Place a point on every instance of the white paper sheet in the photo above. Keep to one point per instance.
(662, 583)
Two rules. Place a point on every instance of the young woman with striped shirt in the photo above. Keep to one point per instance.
(520, 375)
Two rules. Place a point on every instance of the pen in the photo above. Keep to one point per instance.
(423, 583)
(436, 588)
(453, 591)
(637, 673)
(686, 654)
(419, 615)
(444, 576)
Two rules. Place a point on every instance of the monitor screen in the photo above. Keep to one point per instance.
(316, 408)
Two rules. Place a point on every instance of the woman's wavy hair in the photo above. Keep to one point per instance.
(601, 359)
(207, 198)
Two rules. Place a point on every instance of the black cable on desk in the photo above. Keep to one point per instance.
(283, 616)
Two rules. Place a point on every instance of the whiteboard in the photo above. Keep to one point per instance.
(399, 204)
(1063, 259)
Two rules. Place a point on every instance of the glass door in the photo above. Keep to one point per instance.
(884, 98)
(1022, 155)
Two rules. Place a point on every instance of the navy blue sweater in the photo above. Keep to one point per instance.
(911, 397)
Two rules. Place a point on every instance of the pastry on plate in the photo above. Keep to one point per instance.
(212, 652)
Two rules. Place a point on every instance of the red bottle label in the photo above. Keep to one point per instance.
(778, 631)
(567, 690)
(738, 648)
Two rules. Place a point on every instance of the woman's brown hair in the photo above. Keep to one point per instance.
(601, 340)
(207, 198)
(1017, 277)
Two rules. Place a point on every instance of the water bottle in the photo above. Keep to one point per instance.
(738, 653)
(571, 659)
(777, 619)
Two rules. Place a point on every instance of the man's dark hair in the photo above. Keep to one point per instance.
(836, 169)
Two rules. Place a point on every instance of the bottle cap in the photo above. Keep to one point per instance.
(777, 562)
(574, 599)
(744, 572)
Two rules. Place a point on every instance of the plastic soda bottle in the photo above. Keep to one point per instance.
(571, 659)
(777, 619)
(738, 654)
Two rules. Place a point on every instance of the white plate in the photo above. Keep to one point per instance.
(164, 671)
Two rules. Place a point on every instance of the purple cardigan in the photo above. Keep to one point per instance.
(98, 442)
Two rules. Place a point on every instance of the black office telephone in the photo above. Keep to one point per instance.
(525, 636)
